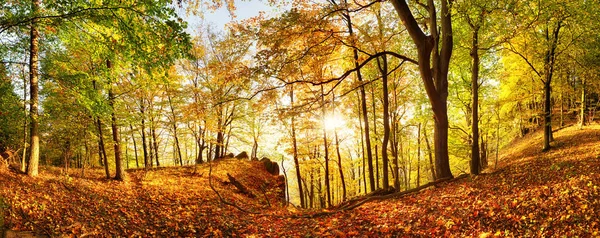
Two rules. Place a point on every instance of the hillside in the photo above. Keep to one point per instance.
(157, 202)
(529, 194)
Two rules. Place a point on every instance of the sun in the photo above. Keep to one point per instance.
(333, 122)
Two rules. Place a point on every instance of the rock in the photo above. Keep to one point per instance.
(243, 155)
(229, 156)
(270, 166)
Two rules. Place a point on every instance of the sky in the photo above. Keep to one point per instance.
(219, 18)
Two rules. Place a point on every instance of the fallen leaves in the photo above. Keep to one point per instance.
(531, 194)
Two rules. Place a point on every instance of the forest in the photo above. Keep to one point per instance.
(449, 117)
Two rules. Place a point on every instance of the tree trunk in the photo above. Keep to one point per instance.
(376, 151)
(147, 163)
(419, 155)
(562, 109)
(219, 143)
(475, 159)
(340, 167)
(177, 147)
(386, 123)
(583, 105)
(102, 147)
(295, 147)
(435, 77)
(23, 158)
(547, 116)
(34, 143)
(137, 162)
(327, 185)
(154, 141)
(549, 61)
(362, 144)
(120, 171)
(431, 164)
(363, 99)
(497, 139)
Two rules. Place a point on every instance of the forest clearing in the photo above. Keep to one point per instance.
(529, 194)
(299, 118)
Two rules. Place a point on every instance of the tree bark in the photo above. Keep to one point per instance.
(102, 147)
(386, 123)
(23, 158)
(475, 159)
(583, 105)
(431, 164)
(137, 162)
(295, 147)
(419, 155)
(119, 169)
(327, 185)
(154, 141)
(340, 167)
(177, 146)
(549, 61)
(143, 130)
(34, 143)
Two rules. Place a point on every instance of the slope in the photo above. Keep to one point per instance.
(529, 194)
(175, 201)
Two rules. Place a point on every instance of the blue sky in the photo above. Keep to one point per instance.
(244, 10)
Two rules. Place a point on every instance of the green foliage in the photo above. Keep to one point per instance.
(11, 114)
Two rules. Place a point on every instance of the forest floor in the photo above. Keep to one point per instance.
(530, 193)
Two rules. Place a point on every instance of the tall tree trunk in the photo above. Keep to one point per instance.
(154, 141)
(177, 146)
(137, 162)
(434, 61)
(34, 143)
(226, 147)
(431, 164)
(201, 143)
(362, 145)
(23, 158)
(395, 135)
(419, 155)
(386, 123)
(547, 116)
(549, 61)
(340, 167)
(376, 151)
(475, 159)
(497, 138)
(150, 147)
(583, 105)
(363, 99)
(327, 186)
(120, 171)
(562, 109)
(102, 147)
(127, 153)
(147, 158)
(220, 130)
(295, 145)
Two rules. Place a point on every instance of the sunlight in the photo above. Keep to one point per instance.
(333, 122)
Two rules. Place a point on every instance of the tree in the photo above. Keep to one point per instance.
(539, 49)
(34, 154)
(482, 19)
(434, 52)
